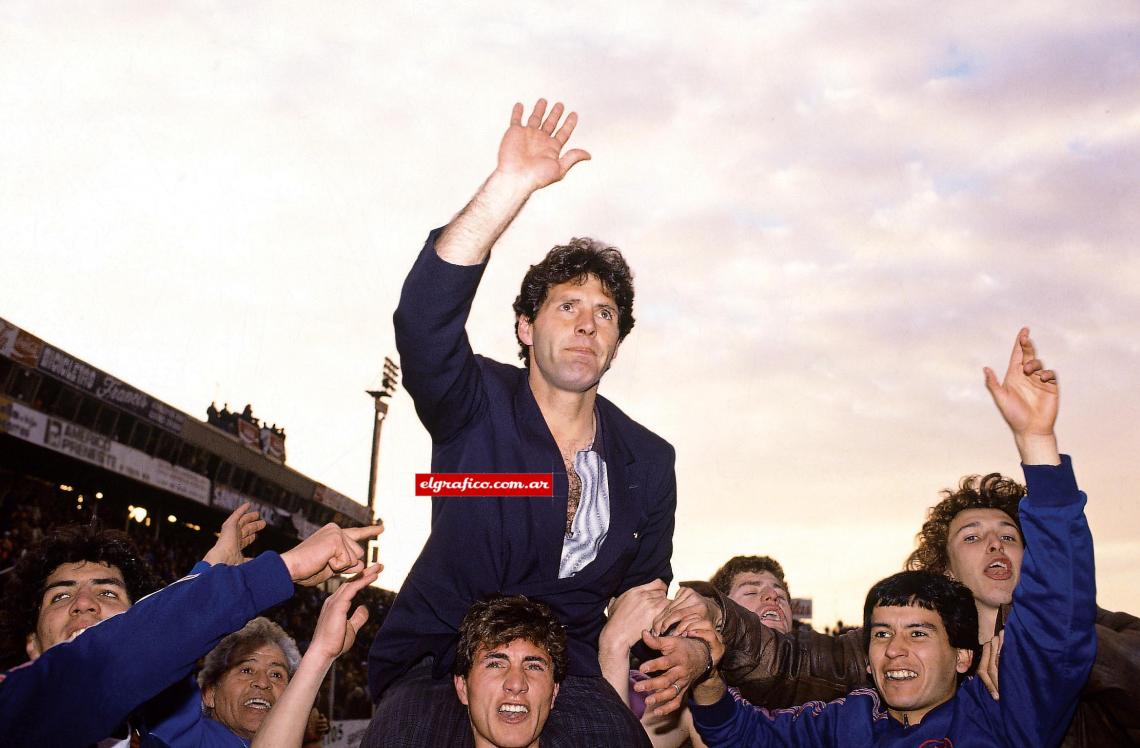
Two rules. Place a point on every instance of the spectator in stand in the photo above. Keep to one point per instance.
(315, 729)
(76, 596)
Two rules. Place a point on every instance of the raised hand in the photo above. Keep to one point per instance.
(530, 158)
(330, 550)
(688, 609)
(1027, 399)
(336, 630)
(532, 152)
(633, 612)
(238, 531)
(628, 615)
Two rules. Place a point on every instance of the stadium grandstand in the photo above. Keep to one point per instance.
(77, 443)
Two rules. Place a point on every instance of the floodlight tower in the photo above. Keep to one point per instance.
(388, 387)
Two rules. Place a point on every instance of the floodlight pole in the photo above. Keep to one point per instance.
(377, 424)
(387, 389)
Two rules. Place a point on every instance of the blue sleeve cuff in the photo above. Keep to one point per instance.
(1051, 485)
(429, 255)
(713, 715)
(436, 287)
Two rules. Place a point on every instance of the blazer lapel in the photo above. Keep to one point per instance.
(626, 493)
(543, 457)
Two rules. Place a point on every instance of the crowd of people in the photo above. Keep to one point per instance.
(227, 420)
(30, 509)
(548, 621)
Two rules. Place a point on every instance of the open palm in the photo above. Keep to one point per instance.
(532, 152)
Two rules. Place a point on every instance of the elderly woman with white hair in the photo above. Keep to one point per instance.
(247, 674)
(246, 697)
(240, 681)
(242, 678)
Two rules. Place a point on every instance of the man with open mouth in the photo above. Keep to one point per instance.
(757, 583)
(510, 660)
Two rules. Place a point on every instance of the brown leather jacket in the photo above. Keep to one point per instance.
(776, 670)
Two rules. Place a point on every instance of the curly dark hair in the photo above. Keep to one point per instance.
(993, 491)
(947, 597)
(725, 575)
(70, 544)
(501, 619)
(576, 261)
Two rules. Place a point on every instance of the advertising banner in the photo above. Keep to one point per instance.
(83, 444)
(249, 434)
(272, 444)
(227, 499)
(22, 347)
(338, 502)
(107, 388)
(345, 733)
(22, 422)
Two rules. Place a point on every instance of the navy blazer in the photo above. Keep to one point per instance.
(482, 417)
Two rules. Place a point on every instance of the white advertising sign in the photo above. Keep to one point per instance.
(83, 444)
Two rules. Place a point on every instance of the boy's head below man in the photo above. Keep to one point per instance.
(920, 630)
(74, 578)
(509, 661)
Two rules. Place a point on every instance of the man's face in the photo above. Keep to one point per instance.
(249, 688)
(573, 337)
(985, 552)
(76, 595)
(509, 692)
(911, 660)
(763, 594)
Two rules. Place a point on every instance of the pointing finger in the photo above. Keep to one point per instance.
(364, 533)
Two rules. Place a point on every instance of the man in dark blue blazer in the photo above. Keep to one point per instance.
(608, 525)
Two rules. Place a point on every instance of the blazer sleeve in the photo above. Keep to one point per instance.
(439, 367)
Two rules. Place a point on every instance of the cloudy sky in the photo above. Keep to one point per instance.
(837, 213)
